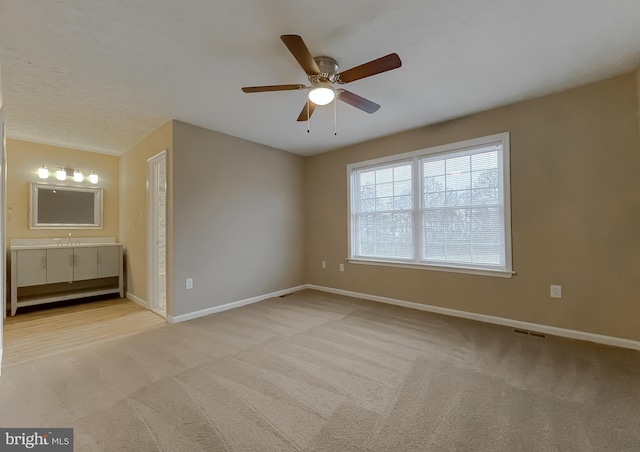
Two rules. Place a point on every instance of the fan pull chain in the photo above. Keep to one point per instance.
(308, 118)
(335, 117)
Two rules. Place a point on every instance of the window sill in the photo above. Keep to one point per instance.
(438, 268)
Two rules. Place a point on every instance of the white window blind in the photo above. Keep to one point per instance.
(462, 208)
(446, 207)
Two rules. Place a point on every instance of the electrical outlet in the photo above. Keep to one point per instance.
(341, 267)
(189, 283)
(324, 264)
(556, 291)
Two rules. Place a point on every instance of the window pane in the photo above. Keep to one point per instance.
(402, 187)
(385, 218)
(434, 184)
(383, 190)
(463, 223)
(385, 175)
(434, 168)
(367, 178)
(402, 173)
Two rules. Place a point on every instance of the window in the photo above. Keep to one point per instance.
(445, 208)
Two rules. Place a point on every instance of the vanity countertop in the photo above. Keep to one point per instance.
(62, 242)
(62, 245)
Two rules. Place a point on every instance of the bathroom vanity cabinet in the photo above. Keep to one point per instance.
(46, 274)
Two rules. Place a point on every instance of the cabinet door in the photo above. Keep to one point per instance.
(85, 263)
(31, 267)
(59, 265)
(108, 261)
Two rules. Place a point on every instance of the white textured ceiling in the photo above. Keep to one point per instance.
(100, 75)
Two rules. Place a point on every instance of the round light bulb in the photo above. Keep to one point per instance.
(321, 94)
(43, 173)
(77, 176)
(61, 174)
(93, 178)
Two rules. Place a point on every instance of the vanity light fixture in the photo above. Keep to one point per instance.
(43, 173)
(62, 173)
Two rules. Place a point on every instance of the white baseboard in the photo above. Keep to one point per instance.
(552, 330)
(138, 300)
(232, 305)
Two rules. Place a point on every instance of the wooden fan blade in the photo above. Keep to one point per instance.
(358, 101)
(307, 111)
(261, 89)
(383, 64)
(301, 53)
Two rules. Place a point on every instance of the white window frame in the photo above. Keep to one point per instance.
(415, 156)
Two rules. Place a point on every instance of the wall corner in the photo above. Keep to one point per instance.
(638, 98)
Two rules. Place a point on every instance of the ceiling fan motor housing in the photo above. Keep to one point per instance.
(328, 69)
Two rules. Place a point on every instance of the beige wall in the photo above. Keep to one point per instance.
(238, 219)
(23, 160)
(575, 196)
(134, 208)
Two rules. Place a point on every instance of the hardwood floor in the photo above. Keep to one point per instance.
(46, 332)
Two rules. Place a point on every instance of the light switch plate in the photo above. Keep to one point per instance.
(556, 291)
(189, 283)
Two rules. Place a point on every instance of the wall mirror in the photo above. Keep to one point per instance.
(63, 207)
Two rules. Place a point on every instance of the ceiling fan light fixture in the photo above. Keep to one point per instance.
(322, 94)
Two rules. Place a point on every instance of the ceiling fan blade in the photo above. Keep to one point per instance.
(261, 89)
(358, 101)
(301, 53)
(307, 111)
(383, 64)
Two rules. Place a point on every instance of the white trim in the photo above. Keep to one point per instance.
(459, 145)
(137, 300)
(437, 268)
(153, 232)
(232, 305)
(552, 330)
(3, 225)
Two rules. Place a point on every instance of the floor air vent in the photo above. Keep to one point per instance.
(529, 333)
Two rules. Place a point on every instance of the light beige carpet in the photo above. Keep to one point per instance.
(314, 371)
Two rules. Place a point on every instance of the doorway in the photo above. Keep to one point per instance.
(157, 234)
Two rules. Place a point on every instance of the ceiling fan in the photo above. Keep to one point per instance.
(323, 74)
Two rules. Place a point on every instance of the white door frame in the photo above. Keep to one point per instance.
(3, 203)
(152, 233)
